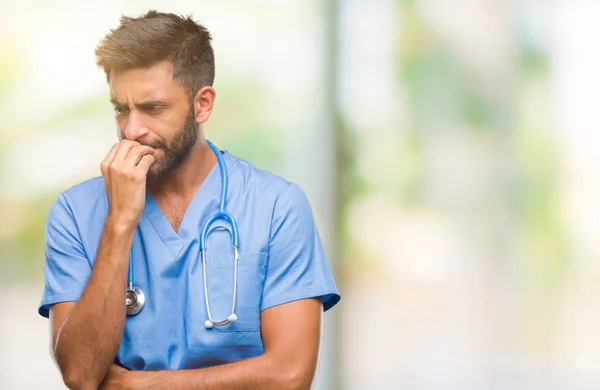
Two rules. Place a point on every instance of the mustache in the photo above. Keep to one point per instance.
(154, 144)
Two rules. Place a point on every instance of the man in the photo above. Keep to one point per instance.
(159, 186)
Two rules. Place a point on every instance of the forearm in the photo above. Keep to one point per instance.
(89, 339)
(262, 372)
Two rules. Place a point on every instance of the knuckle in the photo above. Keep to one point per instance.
(139, 177)
(114, 168)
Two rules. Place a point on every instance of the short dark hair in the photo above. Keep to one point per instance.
(155, 37)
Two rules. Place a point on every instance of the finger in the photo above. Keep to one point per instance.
(123, 150)
(108, 159)
(145, 162)
(136, 153)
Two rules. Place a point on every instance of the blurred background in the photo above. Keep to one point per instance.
(449, 150)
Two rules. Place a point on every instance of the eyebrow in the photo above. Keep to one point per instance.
(141, 105)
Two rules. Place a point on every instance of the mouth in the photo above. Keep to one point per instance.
(153, 146)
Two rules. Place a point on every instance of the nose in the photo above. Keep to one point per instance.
(135, 127)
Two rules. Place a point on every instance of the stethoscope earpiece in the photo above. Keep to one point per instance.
(210, 323)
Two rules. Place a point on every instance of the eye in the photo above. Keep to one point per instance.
(121, 110)
(154, 109)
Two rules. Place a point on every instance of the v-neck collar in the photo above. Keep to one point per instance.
(175, 241)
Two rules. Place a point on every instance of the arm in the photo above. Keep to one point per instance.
(86, 335)
(58, 314)
(290, 335)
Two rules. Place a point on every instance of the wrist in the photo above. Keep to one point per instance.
(119, 226)
(143, 379)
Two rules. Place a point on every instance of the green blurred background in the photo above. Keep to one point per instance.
(448, 148)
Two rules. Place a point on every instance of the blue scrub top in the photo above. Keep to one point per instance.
(281, 260)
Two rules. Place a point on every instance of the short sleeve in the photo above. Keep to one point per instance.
(297, 267)
(66, 266)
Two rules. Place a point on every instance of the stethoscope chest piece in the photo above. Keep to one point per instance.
(134, 300)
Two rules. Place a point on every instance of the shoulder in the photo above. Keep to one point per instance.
(86, 195)
(271, 185)
(282, 194)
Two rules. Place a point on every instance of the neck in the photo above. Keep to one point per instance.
(189, 176)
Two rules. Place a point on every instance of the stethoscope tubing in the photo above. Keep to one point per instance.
(135, 297)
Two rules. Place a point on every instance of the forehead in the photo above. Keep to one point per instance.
(154, 82)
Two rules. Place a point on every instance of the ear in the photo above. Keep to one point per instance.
(203, 103)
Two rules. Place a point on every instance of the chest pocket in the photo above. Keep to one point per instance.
(220, 284)
(243, 334)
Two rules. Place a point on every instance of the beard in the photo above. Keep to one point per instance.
(175, 151)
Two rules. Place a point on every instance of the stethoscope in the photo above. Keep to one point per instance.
(135, 298)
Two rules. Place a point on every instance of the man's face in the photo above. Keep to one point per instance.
(154, 110)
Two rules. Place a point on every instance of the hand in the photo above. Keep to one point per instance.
(124, 170)
(119, 378)
(115, 378)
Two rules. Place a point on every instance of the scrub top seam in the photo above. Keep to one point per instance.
(156, 231)
(79, 236)
(275, 216)
(298, 294)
